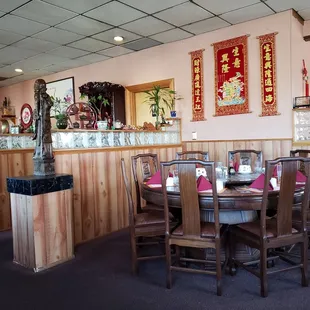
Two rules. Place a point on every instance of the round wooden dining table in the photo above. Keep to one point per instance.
(237, 204)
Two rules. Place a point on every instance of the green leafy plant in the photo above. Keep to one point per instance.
(57, 109)
(160, 99)
(96, 102)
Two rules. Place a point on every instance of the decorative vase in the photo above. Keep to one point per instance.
(173, 113)
(61, 123)
(102, 125)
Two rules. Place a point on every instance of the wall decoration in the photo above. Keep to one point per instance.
(305, 78)
(197, 85)
(231, 76)
(26, 116)
(62, 91)
(268, 73)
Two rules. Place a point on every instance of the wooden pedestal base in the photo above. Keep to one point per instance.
(42, 229)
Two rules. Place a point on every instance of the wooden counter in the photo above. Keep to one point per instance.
(100, 202)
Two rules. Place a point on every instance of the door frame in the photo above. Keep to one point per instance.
(130, 97)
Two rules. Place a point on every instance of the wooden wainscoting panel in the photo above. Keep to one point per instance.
(5, 216)
(77, 199)
(218, 150)
(267, 148)
(87, 196)
(100, 177)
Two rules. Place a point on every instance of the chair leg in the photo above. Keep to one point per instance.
(232, 252)
(304, 261)
(177, 255)
(134, 259)
(218, 267)
(263, 273)
(168, 263)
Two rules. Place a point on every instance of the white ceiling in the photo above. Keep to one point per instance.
(46, 36)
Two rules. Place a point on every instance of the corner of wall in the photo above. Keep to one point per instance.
(306, 30)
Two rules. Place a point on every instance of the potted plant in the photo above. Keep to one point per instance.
(160, 98)
(173, 98)
(60, 114)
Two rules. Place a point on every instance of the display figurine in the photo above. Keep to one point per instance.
(43, 158)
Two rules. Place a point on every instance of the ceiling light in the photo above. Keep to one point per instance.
(118, 39)
(18, 70)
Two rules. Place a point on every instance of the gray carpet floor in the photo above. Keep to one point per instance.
(100, 278)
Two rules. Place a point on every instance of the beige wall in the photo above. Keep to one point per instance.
(143, 110)
(172, 61)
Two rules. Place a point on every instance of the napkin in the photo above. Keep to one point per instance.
(156, 178)
(236, 166)
(259, 183)
(275, 173)
(300, 177)
(203, 184)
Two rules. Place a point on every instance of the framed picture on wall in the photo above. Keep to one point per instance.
(63, 93)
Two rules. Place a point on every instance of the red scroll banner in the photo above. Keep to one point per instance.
(197, 85)
(231, 76)
(268, 74)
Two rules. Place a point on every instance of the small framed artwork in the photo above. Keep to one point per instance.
(63, 93)
(300, 102)
(26, 116)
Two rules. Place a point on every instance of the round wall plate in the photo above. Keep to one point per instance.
(26, 115)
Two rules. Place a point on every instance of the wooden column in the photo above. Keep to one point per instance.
(42, 225)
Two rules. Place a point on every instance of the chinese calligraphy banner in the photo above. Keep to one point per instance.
(231, 76)
(197, 85)
(268, 74)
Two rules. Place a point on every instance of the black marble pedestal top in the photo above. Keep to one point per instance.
(36, 185)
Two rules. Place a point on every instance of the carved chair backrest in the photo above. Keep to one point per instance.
(286, 194)
(189, 195)
(246, 157)
(129, 194)
(193, 155)
(149, 165)
(300, 153)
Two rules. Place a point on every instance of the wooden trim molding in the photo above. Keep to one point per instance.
(114, 149)
(307, 38)
(130, 96)
(269, 139)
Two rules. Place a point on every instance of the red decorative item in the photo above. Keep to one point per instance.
(231, 76)
(268, 74)
(305, 78)
(110, 120)
(81, 116)
(197, 85)
(26, 116)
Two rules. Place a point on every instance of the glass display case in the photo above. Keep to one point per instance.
(301, 126)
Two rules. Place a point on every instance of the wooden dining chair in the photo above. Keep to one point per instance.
(149, 165)
(192, 232)
(246, 157)
(266, 234)
(300, 153)
(296, 212)
(143, 224)
(193, 155)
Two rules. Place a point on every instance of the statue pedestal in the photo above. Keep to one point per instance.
(41, 209)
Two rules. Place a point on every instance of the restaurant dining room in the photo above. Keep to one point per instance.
(154, 154)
